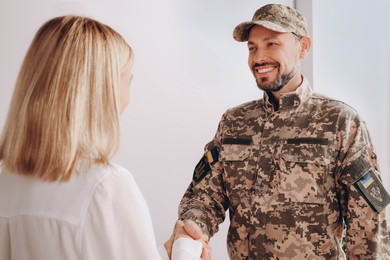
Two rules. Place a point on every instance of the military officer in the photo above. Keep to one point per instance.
(295, 169)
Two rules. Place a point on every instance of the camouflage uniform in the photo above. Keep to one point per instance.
(292, 179)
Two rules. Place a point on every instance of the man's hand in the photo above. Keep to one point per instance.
(189, 229)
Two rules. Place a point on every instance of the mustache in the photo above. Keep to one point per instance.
(265, 63)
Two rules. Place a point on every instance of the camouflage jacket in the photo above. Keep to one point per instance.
(292, 179)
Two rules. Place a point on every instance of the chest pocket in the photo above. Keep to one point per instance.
(304, 166)
(238, 173)
(235, 160)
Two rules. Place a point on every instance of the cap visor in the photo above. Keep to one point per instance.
(241, 32)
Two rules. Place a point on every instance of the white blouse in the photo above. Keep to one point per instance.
(99, 214)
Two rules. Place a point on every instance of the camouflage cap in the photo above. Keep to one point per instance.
(276, 17)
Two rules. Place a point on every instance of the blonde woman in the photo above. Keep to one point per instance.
(60, 196)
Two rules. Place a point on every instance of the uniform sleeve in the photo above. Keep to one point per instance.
(117, 223)
(205, 201)
(362, 196)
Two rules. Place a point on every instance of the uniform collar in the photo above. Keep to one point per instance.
(292, 99)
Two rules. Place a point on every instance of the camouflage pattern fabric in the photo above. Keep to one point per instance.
(276, 17)
(287, 178)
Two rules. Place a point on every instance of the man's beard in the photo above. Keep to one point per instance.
(278, 83)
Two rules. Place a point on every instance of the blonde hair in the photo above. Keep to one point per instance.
(65, 106)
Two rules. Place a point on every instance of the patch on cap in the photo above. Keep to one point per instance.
(276, 17)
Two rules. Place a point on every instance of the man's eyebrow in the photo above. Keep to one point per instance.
(268, 38)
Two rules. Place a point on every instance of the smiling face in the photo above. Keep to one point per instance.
(274, 59)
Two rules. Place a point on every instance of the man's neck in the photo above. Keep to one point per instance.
(292, 85)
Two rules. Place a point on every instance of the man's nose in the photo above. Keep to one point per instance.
(260, 56)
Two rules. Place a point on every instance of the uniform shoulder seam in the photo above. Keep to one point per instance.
(332, 100)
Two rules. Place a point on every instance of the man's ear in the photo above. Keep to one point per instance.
(305, 43)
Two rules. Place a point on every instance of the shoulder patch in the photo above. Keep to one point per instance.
(371, 188)
(203, 166)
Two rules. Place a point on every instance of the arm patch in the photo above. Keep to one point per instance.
(371, 188)
(203, 166)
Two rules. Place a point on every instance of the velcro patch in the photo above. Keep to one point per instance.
(373, 191)
(201, 169)
(212, 155)
(203, 166)
(308, 140)
(246, 141)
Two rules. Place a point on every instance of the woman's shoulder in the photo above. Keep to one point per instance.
(116, 182)
(116, 193)
(111, 177)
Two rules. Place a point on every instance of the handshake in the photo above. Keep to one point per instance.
(188, 242)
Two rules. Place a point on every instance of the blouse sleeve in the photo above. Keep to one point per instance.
(117, 223)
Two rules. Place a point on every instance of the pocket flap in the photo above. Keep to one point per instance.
(235, 152)
(306, 153)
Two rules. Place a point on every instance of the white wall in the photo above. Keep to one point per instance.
(189, 70)
(352, 63)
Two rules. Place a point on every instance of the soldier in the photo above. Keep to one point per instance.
(295, 168)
